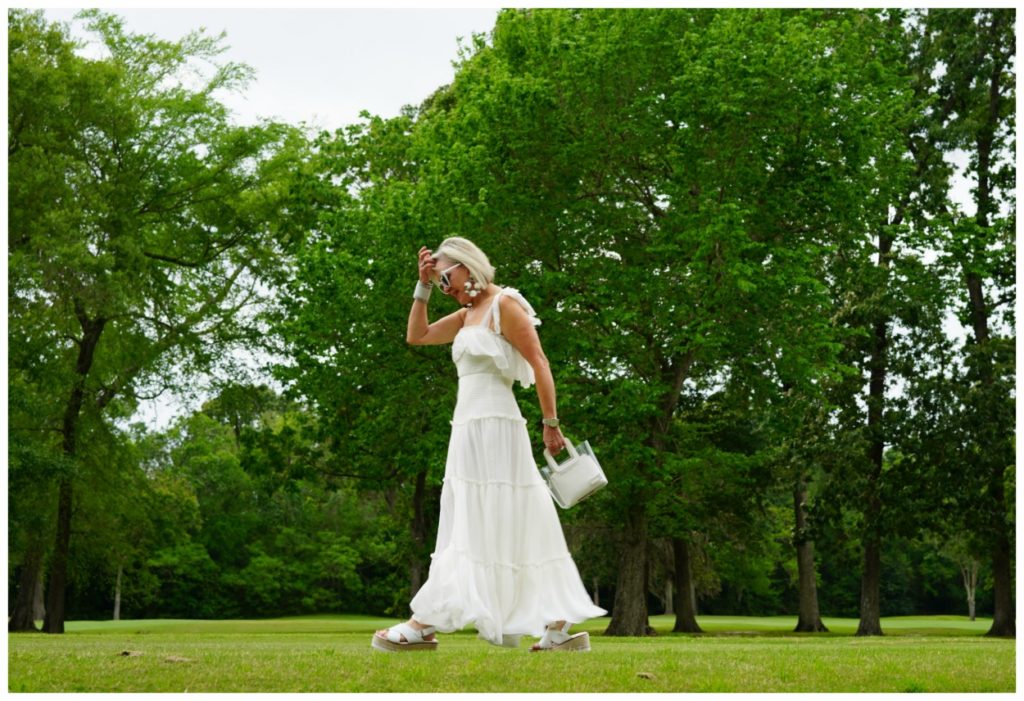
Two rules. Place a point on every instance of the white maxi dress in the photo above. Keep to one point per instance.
(501, 561)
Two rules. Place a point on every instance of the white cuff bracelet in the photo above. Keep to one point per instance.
(422, 292)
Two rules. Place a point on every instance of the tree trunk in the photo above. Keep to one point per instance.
(1003, 615)
(871, 575)
(39, 598)
(647, 584)
(629, 611)
(117, 592)
(597, 593)
(419, 536)
(57, 586)
(809, 620)
(969, 572)
(686, 612)
(1003, 624)
(91, 330)
(669, 604)
(870, 600)
(23, 616)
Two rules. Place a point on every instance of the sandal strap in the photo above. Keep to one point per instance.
(412, 635)
(555, 636)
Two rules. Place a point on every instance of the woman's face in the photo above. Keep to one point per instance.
(458, 275)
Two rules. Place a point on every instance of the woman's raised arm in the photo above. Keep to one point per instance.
(420, 332)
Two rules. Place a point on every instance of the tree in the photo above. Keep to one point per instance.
(239, 406)
(140, 223)
(714, 500)
(798, 426)
(32, 469)
(959, 550)
(976, 113)
(892, 306)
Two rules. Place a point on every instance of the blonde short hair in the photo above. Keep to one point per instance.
(460, 250)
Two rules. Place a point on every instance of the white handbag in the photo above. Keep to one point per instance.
(576, 478)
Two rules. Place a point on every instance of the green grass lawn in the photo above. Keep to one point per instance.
(333, 654)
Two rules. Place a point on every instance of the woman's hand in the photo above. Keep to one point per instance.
(427, 264)
(554, 441)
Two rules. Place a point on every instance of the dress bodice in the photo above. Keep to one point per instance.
(479, 348)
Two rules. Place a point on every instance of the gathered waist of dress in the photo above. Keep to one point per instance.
(485, 394)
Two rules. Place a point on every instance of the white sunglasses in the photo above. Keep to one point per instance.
(443, 275)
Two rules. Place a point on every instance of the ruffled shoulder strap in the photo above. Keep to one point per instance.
(514, 294)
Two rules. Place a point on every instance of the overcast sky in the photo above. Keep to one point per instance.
(323, 66)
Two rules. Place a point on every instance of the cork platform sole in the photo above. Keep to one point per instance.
(388, 646)
(577, 643)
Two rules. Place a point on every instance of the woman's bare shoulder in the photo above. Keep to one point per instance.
(510, 304)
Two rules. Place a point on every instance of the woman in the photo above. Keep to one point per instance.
(501, 561)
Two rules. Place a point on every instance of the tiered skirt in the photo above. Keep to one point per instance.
(501, 561)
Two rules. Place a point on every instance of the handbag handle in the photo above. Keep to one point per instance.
(551, 460)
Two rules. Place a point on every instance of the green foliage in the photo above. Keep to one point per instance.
(232, 536)
(185, 572)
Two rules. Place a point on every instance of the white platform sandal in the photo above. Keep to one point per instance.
(558, 638)
(414, 639)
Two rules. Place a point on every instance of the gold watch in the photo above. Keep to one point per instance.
(553, 423)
